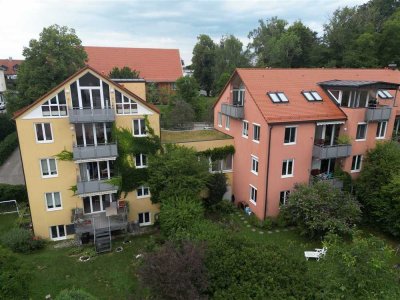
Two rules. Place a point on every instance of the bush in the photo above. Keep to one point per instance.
(7, 146)
(21, 240)
(14, 276)
(175, 272)
(224, 207)
(74, 294)
(321, 208)
(217, 188)
(7, 126)
(179, 214)
(13, 192)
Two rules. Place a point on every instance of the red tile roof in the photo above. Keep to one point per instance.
(10, 63)
(21, 111)
(293, 81)
(158, 65)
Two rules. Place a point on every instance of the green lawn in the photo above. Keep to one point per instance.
(192, 136)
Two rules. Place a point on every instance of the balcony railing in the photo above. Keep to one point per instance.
(328, 178)
(334, 151)
(233, 111)
(95, 151)
(377, 114)
(90, 115)
(87, 188)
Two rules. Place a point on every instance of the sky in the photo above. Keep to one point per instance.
(152, 23)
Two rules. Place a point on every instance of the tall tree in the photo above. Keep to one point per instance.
(389, 46)
(48, 61)
(203, 62)
(124, 73)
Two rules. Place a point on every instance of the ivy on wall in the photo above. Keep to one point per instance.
(65, 155)
(218, 153)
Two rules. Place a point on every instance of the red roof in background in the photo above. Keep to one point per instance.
(293, 81)
(10, 63)
(159, 65)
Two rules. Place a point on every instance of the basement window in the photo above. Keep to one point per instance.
(312, 95)
(383, 94)
(278, 97)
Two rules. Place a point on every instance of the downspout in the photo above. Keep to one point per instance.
(266, 180)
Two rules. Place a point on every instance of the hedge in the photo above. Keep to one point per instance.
(13, 192)
(7, 146)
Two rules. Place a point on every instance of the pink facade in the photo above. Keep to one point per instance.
(275, 157)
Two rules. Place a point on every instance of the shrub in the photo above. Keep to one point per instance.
(13, 192)
(175, 272)
(7, 146)
(21, 240)
(217, 188)
(178, 214)
(321, 208)
(224, 207)
(14, 277)
(74, 294)
(7, 126)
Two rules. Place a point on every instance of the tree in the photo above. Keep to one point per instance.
(390, 40)
(203, 62)
(152, 93)
(14, 102)
(361, 269)
(178, 214)
(175, 272)
(187, 89)
(179, 115)
(321, 208)
(124, 73)
(48, 61)
(74, 294)
(376, 186)
(7, 126)
(14, 276)
(177, 172)
(216, 189)
(221, 82)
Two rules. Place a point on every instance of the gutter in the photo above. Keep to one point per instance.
(266, 180)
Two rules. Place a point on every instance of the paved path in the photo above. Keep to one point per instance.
(11, 171)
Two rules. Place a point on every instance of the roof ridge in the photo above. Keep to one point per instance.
(145, 48)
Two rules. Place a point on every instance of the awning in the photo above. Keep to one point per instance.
(330, 123)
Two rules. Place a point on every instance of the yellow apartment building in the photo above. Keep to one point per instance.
(75, 196)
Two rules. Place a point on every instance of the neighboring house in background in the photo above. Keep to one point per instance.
(2, 89)
(78, 116)
(160, 66)
(290, 126)
(10, 67)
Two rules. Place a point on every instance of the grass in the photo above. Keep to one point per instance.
(192, 136)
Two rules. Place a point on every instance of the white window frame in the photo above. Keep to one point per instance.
(125, 101)
(227, 122)
(53, 200)
(384, 94)
(139, 121)
(358, 159)
(143, 188)
(219, 119)
(145, 223)
(221, 163)
(45, 141)
(366, 131)
(48, 167)
(253, 194)
(278, 97)
(142, 165)
(287, 175)
(254, 132)
(286, 194)
(254, 162)
(58, 105)
(58, 238)
(102, 208)
(295, 135)
(245, 129)
(379, 127)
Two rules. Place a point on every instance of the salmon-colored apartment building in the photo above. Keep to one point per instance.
(292, 125)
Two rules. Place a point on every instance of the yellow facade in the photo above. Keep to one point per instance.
(138, 88)
(64, 136)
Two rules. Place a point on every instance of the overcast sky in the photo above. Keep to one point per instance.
(152, 23)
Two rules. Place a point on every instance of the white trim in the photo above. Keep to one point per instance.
(287, 168)
(52, 197)
(384, 134)
(366, 132)
(58, 233)
(247, 131)
(44, 133)
(259, 132)
(295, 136)
(140, 120)
(141, 161)
(145, 223)
(254, 158)
(360, 160)
(143, 195)
(48, 166)
(256, 194)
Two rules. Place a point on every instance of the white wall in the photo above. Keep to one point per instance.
(2, 82)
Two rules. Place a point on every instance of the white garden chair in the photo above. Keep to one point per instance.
(317, 254)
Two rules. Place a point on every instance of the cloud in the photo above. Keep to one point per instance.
(153, 23)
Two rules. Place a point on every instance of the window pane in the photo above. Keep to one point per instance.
(86, 205)
(54, 232)
(49, 200)
(61, 230)
(274, 97)
(284, 167)
(47, 130)
(141, 218)
(96, 98)
(140, 192)
(136, 127)
(228, 162)
(61, 97)
(39, 132)
(85, 96)
(106, 95)
(290, 167)
(387, 94)
(287, 135)
(53, 168)
(147, 217)
(45, 111)
(96, 203)
(143, 126)
(316, 96)
(57, 199)
(89, 80)
(308, 96)
(283, 98)
(45, 168)
(138, 160)
(74, 95)
(353, 163)
(144, 159)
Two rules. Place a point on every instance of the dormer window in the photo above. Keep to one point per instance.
(278, 97)
(383, 94)
(238, 96)
(312, 96)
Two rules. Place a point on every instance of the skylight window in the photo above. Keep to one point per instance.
(312, 96)
(384, 94)
(278, 97)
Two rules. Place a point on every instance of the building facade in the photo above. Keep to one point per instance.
(75, 195)
(300, 125)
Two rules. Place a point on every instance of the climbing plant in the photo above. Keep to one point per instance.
(65, 155)
(218, 153)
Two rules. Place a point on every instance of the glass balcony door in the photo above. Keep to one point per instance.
(96, 170)
(92, 134)
(97, 203)
(327, 134)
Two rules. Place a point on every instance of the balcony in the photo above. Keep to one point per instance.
(87, 188)
(377, 114)
(233, 111)
(328, 178)
(95, 152)
(91, 115)
(334, 151)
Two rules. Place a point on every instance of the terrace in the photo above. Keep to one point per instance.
(169, 136)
